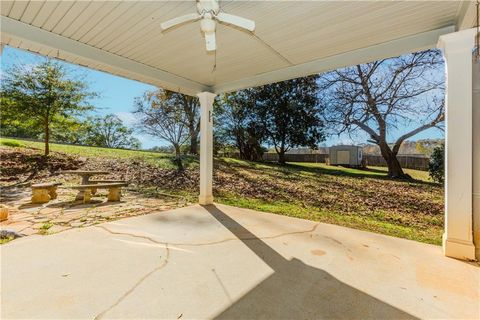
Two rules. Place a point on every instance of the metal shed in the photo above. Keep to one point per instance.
(346, 155)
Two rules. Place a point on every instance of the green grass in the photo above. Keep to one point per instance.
(45, 227)
(5, 240)
(11, 143)
(161, 159)
(375, 224)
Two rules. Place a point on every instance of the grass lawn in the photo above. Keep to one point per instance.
(371, 171)
(362, 199)
(157, 158)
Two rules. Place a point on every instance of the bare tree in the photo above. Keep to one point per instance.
(191, 107)
(402, 92)
(160, 117)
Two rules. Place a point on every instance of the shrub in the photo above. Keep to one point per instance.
(436, 167)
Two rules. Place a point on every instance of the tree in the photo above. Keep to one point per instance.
(289, 114)
(436, 167)
(426, 146)
(110, 132)
(384, 95)
(15, 124)
(161, 117)
(70, 130)
(191, 107)
(44, 94)
(237, 123)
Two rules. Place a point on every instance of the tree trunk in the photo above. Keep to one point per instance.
(178, 157)
(47, 137)
(193, 142)
(281, 157)
(394, 168)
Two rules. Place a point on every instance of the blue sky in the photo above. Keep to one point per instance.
(117, 95)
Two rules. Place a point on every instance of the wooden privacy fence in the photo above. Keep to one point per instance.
(406, 161)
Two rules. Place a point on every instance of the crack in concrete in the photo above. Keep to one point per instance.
(143, 278)
(131, 235)
(209, 243)
(139, 282)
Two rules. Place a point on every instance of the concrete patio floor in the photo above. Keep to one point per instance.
(224, 262)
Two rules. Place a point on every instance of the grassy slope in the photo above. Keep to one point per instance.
(372, 171)
(362, 199)
(160, 159)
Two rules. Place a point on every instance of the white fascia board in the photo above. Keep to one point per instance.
(467, 15)
(417, 42)
(23, 31)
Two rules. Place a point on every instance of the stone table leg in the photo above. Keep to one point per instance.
(40, 196)
(80, 195)
(87, 195)
(114, 194)
(52, 191)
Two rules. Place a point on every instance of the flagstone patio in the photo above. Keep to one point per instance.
(224, 262)
(65, 213)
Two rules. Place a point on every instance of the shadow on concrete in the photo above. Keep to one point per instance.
(30, 205)
(78, 204)
(298, 291)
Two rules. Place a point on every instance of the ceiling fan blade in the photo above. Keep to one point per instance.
(179, 20)
(236, 21)
(210, 41)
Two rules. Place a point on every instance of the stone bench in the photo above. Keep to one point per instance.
(94, 190)
(86, 190)
(44, 192)
(106, 181)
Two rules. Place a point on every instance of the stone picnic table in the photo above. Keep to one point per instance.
(85, 174)
(88, 187)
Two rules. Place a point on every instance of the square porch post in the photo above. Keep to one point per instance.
(206, 147)
(458, 237)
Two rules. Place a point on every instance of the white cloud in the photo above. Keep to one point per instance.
(128, 118)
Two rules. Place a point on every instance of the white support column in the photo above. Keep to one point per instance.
(476, 158)
(206, 147)
(458, 237)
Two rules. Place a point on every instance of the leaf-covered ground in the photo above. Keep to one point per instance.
(355, 198)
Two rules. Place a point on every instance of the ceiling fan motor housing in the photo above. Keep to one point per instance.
(208, 6)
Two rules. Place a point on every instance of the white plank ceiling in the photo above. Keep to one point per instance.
(288, 34)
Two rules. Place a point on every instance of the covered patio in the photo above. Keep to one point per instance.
(290, 39)
(214, 261)
(222, 262)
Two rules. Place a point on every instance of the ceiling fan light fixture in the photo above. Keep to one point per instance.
(208, 25)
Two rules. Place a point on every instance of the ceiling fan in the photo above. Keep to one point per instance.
(208, 12)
